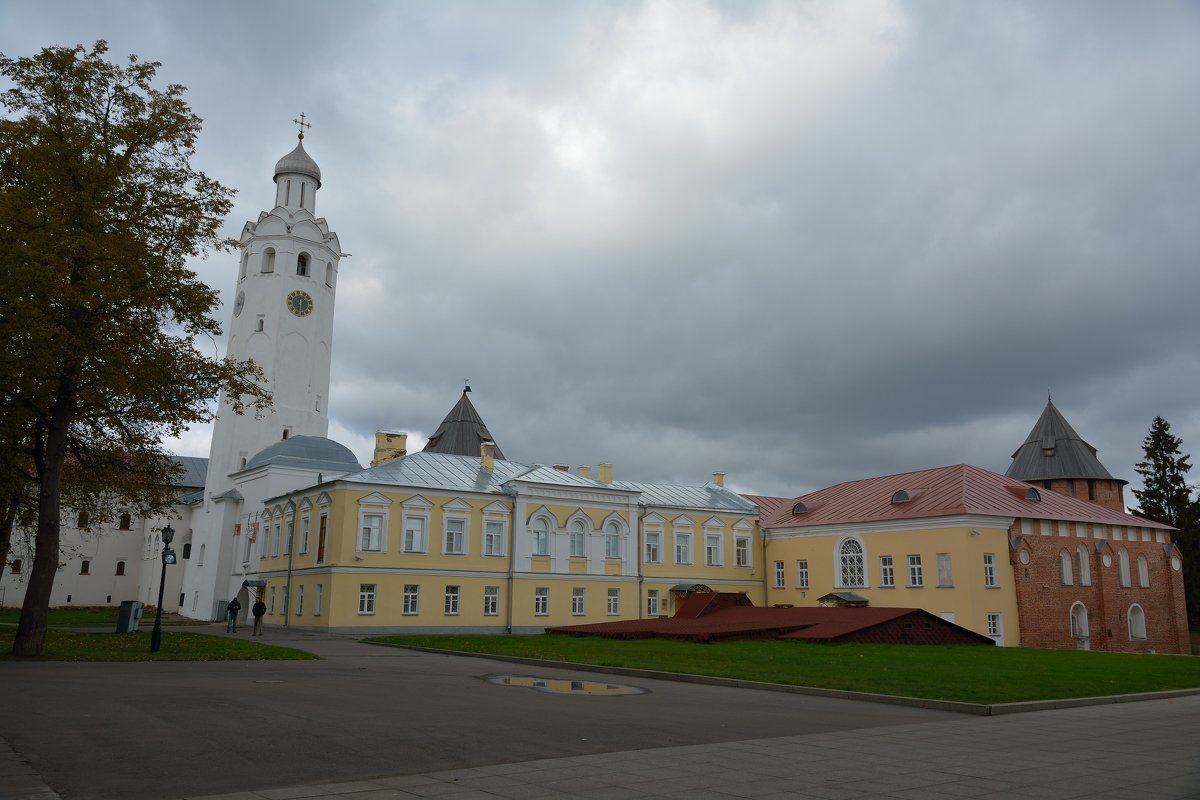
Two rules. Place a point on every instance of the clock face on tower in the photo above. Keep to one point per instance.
(300, 303)
(238, 303)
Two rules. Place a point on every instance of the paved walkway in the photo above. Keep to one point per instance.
(1144, 750)
(1134, 751)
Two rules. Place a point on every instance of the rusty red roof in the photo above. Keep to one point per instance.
(940, 492)
(745, 621)
(767, 506)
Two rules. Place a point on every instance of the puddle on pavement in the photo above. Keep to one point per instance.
(556, 686)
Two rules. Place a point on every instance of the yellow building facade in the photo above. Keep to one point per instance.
(431, 542)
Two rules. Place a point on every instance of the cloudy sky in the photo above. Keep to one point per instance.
(797, 242)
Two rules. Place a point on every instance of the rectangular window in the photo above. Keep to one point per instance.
(541, 601)
(452, 595)
(614, 602)
(995, 627)
(299, 601)
(412, 599)
(712, 550)
(304, 526)
(989, 570)
(287, 542)
(321, 538)
(578, 602)
(540, 538)
(319, 600)
(491, 601)
(653, 539)
(366, 598)
(780, 578)
(683, 548)
(271, 603)
(455, 536)
(286, 600)
(372, 532)
(278, 538)
(741, 551)
(802, 574)
(945, 574)
(887, 572)
(652, 603)
(414, 534)
(915, 576)
(493, 538)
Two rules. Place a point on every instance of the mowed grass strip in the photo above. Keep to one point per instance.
(968, 674)
(64, 645)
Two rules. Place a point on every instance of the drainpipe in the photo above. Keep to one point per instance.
(287, 609)
(512, 555)
(638, 559)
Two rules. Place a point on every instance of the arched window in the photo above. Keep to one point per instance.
(1064, 568)
(540, 537)
(302, 265)
(1143, 572)
(1123, 567)
(82, 520)
(268, 260)
(85, 567)
(126, 522)
(245, 263)
(1085, 567)
(612, 540)
(1137, 622)
(850, 556)
(1079, 621)
(329, 274)
(120, 567)
(187, 550)
(200, 560)
(578, 536)
(303, 186)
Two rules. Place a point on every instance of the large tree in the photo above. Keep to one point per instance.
(1166, 497)
(100, 208)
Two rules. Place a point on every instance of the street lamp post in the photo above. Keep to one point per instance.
(168, 557)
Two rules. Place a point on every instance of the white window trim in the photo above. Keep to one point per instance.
(417, 512)
(374, 503)
(749, 550)
(578, 602)
(655, 531)
(503, 537)
(541, 601)
(890, 581)
(837, 564)
(373, 595)
(991, 579)
(719, 533)
(920, 570)
(780, 570)
(614, 602)
(407, 610)
(491, 601)
(533, 531)
(456, 511)
(802, 574)
(676, 535)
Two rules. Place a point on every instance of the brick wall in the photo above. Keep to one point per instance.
(1108, 493)
(1044, 603)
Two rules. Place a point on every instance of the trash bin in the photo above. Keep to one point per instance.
(129, 617)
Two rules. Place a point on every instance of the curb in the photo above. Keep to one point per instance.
(983, 710)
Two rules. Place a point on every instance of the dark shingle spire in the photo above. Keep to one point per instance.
(1054, 451)
(461, 432)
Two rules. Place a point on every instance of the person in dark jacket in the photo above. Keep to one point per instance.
(231, 615)
(258, 609)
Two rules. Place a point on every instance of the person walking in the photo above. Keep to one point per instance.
(231, 615)
(258, 609)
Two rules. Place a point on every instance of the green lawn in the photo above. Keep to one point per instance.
(76, 616)
(967, 674)
(64, 645)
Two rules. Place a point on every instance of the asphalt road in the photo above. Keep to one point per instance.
(160, 730)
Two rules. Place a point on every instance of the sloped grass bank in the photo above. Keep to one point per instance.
(985, 675)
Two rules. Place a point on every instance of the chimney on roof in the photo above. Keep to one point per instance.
(562, 467)
(389, 445)
(584, 472)
(487, 455)
(719, 479)
(605, 473)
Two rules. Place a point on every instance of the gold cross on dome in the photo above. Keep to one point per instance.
(302, 125)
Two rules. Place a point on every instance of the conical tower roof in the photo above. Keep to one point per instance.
(1054, 451)
(461, 432)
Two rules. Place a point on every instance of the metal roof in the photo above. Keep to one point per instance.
(195, 471)
(307, 452)
(466, 473)
(461, 432)
(441, 471)
(709, 497)
(1053, 450)
(940, 492)
(768, 506)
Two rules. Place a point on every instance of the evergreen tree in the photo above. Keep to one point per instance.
(1166, 497)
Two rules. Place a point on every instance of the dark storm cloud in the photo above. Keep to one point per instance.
(800, 243)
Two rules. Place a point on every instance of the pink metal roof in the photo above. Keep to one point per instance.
(940, 492)
(768, 506)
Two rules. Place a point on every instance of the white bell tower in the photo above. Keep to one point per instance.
(283, 320)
